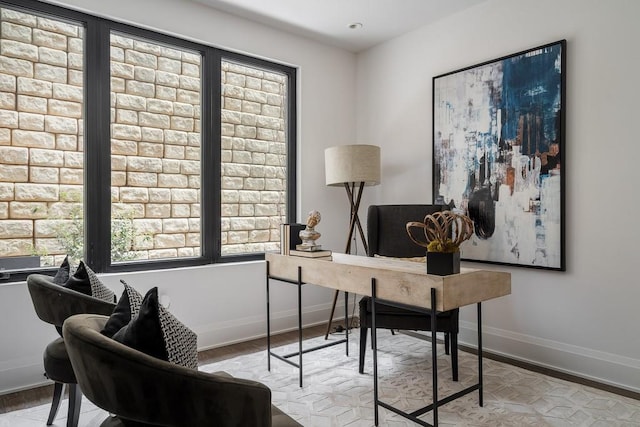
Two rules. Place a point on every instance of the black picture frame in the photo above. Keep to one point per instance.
(499, 155)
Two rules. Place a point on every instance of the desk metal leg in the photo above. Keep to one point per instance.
(434, 356)
(285, 357)
(374, 345)
(480, 398)
(346, 321)
(268, 324)
(437, 401)
(300, 321)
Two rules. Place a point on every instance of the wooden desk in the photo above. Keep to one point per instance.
(401, 283)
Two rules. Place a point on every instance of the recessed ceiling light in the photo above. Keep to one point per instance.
(355, 26)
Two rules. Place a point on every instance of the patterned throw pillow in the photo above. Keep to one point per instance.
(98, 289)
(180, 341)
(128, 307)
(85, 280)
(158, 333)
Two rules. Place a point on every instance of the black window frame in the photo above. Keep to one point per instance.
(97, 137)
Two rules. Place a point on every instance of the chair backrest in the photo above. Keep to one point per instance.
(386, 229)
(54, 303)
(142, 388)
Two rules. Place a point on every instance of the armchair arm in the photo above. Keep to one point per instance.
(54, 303)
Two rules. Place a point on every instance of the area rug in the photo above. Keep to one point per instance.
(335, 394)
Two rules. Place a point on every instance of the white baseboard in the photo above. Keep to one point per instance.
(248, 328)
(603, 367)
(23, 377)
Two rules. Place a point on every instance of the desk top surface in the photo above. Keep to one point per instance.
(396, 280)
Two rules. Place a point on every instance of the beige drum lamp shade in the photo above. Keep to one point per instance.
(352, 163)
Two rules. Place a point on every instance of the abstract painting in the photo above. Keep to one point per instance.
(498, 155)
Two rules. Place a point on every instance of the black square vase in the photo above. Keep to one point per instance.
(442, 263)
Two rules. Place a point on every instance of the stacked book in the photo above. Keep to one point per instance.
(291, 243)
(315, 253)
(290, 237)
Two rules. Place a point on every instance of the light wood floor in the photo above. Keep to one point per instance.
(42, 395)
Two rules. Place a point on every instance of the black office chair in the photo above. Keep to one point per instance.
(387, 236)
(54, 304)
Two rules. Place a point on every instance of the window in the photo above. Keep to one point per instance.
(41, 139)
(254, 157)
(155, 150)
(136, 150)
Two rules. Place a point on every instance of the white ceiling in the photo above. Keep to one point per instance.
(328, 20)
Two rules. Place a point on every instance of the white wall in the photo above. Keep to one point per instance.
(222, 303)
(584, 320)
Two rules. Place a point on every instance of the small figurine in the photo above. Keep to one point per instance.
(309, 235)
(313, 218)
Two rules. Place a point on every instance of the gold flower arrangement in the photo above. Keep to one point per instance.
(443, 231)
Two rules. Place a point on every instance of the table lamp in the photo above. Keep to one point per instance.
(352, 167)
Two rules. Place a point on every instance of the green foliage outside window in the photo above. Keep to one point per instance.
(70, 235)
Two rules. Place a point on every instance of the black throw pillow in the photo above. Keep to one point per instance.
(63, 273)
(144, 332)
(79, 282)
(127, 308)
(153, 330)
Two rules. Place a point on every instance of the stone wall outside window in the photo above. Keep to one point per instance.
(41, 108)
(155, 113)
(254, 158)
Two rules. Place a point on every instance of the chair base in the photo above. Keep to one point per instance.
(58, 390)
(397, 318)
(450, 342)
(75, 400)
